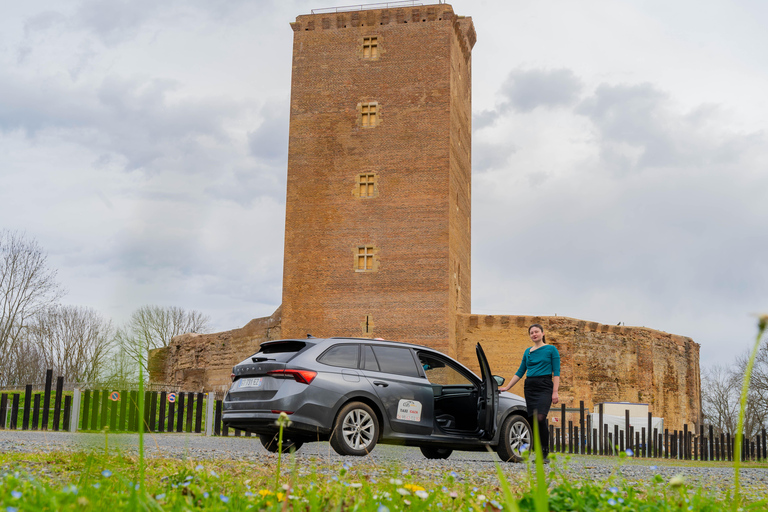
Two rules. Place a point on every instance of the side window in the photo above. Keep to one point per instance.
(396, 360)
(369, 360)
(441, 372)
(345, 356)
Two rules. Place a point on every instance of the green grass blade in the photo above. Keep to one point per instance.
(763, 321)
(541, 493)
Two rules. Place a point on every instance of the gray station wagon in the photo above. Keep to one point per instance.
(356, 393)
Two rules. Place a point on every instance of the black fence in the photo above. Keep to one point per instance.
(163, 411)
(25, 411)
(587, 439)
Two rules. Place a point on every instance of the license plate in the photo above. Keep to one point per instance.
(251, 383)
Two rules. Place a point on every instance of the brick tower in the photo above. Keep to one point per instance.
(377, 230)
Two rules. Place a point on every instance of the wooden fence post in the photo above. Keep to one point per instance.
(627, 432)
(95, 399)
(57, 403)
(581, 428)
(3, 410)
(191, 410)
(86, 409)
(199, 419)
(36, 413)
(161, 421)
(47, 401)
(649, 450)
(180, 419)
(209, 416)
(125, 397)
(171, 414)
(562, 424)
(217, 418)
(27, 407)
(67, 412)
(15, 411)
(75, 410)
(600, 420)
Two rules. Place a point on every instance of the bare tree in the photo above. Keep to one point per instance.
(75, 341)
(120, 370)
(756, 414)
(153, 327)
(27, 287)
(720, 398)
(24, 363)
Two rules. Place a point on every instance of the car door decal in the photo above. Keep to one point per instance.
(409, 410)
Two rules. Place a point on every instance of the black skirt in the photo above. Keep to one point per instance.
(538, 394)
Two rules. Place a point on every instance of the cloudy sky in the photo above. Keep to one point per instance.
(620, 164)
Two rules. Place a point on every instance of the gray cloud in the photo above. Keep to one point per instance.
(527, 90)
(270, 139)
(130, 119)
(639, 127)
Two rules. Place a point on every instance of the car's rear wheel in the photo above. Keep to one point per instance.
(356, 430)
(514, 439)
(270, 443)
(432, 452)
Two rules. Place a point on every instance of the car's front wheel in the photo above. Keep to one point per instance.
(356, 430)
(432, 452)
(514, 439)
(270, 443)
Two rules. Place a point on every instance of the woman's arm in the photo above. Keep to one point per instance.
(515, 379)
(555, 386)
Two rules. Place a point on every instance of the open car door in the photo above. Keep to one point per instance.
(488, 401)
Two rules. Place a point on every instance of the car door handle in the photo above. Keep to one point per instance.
(380, 383)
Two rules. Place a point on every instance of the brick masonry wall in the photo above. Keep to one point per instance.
(420, 165)
(599, 363)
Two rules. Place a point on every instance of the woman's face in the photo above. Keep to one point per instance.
(535, 333)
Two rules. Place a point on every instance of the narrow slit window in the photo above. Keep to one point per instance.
(368, 113)
(365, 258)
(367, 184)
(371, 47)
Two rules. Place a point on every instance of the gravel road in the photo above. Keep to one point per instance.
(478, 467)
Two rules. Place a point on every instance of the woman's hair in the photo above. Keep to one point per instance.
(543, 338)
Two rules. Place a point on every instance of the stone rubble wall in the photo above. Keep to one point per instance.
(599, 363)
(203, 362)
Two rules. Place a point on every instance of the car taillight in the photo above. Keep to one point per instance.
(303, 376)
(232, 377)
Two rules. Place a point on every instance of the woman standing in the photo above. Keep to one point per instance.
(542, 362)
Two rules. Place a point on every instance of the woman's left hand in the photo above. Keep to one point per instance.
(555, 398)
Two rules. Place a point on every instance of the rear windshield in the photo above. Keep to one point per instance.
(281, 351)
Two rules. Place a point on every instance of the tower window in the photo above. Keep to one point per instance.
(371, 47)
(368, 112)
(366, 185)
(364, 258)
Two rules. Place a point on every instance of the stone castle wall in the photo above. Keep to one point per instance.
(599, 363)
(203, 362)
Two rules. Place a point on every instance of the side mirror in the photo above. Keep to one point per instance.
(499, 380)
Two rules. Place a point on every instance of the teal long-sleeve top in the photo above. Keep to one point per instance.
(545, 360)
